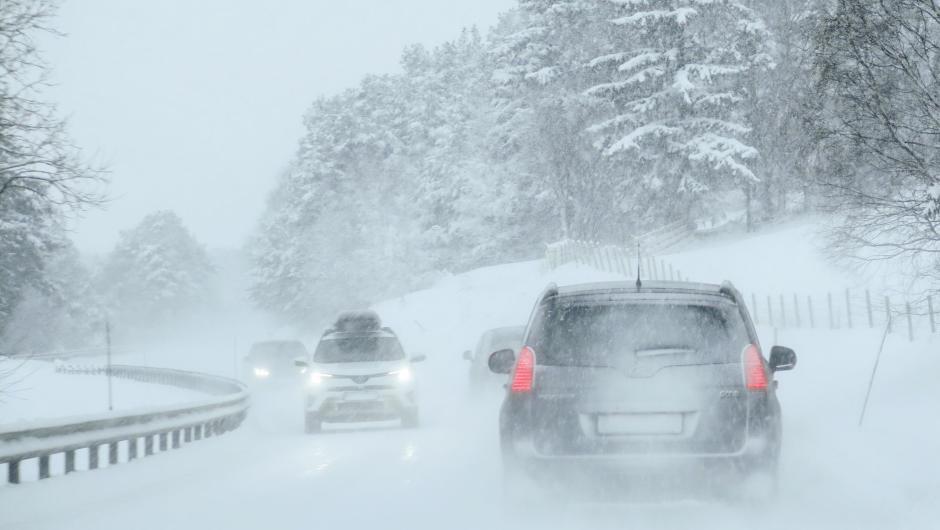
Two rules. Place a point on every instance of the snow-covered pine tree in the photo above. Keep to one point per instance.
(156, 270)
(541, 52)
(678, 83)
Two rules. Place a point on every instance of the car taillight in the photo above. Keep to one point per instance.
(524, 373)
(755, 377)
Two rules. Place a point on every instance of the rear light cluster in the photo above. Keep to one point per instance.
(524, 373)
(755, 375)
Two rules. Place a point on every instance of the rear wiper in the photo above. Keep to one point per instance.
(651, 352)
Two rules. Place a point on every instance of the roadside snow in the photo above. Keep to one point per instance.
(31, 390)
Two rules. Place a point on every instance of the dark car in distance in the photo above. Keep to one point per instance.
(627, 380)
(274, 360)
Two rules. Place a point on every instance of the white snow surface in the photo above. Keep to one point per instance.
(34, 391)
(445, 474)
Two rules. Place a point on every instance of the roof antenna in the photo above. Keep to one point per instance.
(639, 283)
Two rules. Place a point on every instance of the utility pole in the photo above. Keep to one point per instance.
(107, 337)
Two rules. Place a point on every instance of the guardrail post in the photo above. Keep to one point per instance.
(796, 310)
(13, 472)
(188, 434)
(43, 466)
(112, 453)
(871, 319)
(832, 324)
(197, 432)
(162, 442)
(93, 457)
(69, 461)
(176, 439)
(148, 445)
(132, 449)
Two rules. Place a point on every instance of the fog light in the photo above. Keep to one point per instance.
(262, 373)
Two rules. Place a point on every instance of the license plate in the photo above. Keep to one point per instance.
(360, 396)
(639, 424)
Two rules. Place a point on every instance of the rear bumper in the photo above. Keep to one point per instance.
(756, 455)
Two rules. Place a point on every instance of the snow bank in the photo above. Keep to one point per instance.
(32, 390)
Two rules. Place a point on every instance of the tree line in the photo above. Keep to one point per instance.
(595, 120)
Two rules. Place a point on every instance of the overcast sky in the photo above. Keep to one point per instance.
(195, 105)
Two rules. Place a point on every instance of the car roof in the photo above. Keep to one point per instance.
(380, 333)
(648, 291)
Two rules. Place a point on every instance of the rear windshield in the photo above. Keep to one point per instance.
(358, 349)
(609, 335)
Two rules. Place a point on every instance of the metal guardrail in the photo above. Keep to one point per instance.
(163, 427)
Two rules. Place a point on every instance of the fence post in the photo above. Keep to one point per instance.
(871, 320)
(783, 313)
(831, 319)
(910, 323)
(809, 305)
(796, 311)
(754, 307)
(933, 324)
(888, 313)
(770, 311)
(848, 309)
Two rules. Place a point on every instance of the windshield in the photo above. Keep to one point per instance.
(358, 349)
(277, 351)
(576, 334)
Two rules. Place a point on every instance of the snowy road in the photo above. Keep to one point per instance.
(269, 475)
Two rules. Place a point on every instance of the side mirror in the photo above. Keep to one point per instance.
(782, 359)
(501, 362)
(418, 358)
(300, 362)
(468, 355)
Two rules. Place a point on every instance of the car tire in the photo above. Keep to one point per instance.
(312, 423)
(410, 419)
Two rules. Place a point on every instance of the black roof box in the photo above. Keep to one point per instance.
(357, 321)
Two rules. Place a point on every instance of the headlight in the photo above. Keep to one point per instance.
(404, 375)
(262, 373)
(317, 377)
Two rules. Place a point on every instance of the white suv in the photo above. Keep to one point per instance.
(359, 372)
